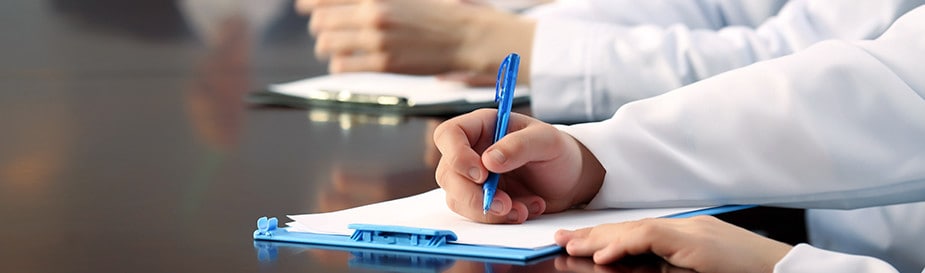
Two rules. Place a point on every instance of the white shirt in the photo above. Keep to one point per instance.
(839, 125)
(590, 57)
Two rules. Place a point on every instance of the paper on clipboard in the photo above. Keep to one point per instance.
(429, 210)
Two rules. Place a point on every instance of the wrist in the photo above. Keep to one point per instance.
(591, 176)
(491, 35)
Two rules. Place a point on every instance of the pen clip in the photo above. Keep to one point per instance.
(504, 92)
(507, 77)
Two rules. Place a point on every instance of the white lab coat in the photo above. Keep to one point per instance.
(895, 234)
(839, 125)
(590, 57)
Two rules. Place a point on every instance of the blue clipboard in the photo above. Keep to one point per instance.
(420, 240)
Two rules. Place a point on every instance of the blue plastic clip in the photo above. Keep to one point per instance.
(398, 235)
(266, 227)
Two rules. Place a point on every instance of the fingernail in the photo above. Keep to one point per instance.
(497, 156)
(534, 208)
(474, 174)
(512, 216)
(496, 206)
(564, 235)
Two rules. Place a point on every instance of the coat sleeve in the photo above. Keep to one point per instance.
(805, 258)
(838, 125)
(706, 14)
(583, 70)
(890, 233)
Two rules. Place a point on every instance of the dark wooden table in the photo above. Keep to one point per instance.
(126, 145)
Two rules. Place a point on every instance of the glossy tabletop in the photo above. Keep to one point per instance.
(126, 144)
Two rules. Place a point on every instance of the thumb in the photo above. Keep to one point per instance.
(537, 141)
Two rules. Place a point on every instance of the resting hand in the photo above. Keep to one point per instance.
(703, 243)
(416, 36)
(543, 169)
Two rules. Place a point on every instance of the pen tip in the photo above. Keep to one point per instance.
(484, 212)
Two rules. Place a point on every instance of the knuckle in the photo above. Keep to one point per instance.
(377, 62)
(380, 17)
(451, 203)
(303, 7)
(443, 175)
(319, 20)
(438, 135)
(449, 160)
(388, 62)
(324, 44)
(513, 146)
(314, 25)
(440, 174)
(704, 219)
(475, 201)
(378, 41)
(335, 67)
(647, 228)
(484, 110)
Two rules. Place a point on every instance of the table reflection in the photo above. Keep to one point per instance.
(347, 120)
(373, 260)
(346, 259)
(351, 187)
(377, 157)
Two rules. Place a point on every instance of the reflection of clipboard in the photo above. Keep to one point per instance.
(444, 241)
(367, 257)
(378, 260)
(382, 92)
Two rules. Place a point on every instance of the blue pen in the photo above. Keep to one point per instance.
(504, 95)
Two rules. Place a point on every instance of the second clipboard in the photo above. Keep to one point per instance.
(383, 93)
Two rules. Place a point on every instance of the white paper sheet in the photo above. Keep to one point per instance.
(419, 90)
(429, 210)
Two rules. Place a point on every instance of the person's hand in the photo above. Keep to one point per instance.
(543, 169)
(702, 243)
(417, 37)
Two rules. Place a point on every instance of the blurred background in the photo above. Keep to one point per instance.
(126, 143)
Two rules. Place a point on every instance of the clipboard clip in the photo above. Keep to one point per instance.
(265, 226)
(374, 234)
(399, 235)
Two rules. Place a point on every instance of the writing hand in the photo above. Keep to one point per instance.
(543, 170)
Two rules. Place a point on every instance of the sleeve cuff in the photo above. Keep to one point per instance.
(806, 258)
(558, 87)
